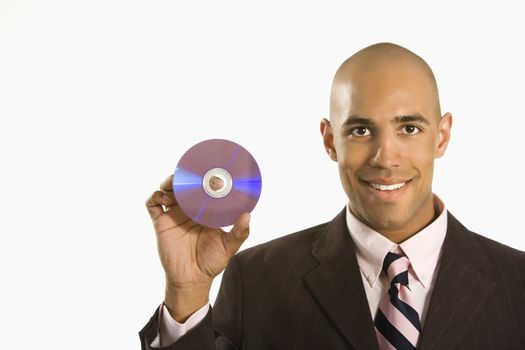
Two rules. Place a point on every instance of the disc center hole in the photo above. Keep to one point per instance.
(217, 183)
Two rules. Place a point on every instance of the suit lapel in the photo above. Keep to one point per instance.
(460, 289)
(337, 285)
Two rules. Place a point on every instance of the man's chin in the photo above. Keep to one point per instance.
(387, 222)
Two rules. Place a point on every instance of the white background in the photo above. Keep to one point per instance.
(99, 99)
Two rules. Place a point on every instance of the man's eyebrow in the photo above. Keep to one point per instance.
(360, 120)
(400, 119)
(410, 118)
(356, 119)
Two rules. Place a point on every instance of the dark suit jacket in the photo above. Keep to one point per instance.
(304, 291)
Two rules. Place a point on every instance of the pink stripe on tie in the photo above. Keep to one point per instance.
(397, 323)
(396, 267)
(400, 322)
(405, 296)
(383, 343)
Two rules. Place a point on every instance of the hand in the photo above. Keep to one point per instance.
(191, 254)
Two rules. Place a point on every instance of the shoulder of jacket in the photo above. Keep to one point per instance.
(499, 250)
(303, 239)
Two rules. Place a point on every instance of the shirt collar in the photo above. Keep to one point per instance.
(422, 249)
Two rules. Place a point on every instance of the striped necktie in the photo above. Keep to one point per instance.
(397, 323)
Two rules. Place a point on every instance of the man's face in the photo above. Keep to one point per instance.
(385, 133)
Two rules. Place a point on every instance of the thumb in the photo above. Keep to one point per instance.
(238, 234)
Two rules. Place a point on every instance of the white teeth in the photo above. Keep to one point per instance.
(387, 187)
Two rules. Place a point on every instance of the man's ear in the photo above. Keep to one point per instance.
(328, 139)
(444, 127)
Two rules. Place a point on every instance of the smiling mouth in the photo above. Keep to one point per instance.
(387, 188)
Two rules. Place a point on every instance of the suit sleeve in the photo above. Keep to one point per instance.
(221, 328)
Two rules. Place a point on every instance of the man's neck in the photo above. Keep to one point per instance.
(424, 217)
(429, 212)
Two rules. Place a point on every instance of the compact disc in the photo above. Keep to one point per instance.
(216, 181)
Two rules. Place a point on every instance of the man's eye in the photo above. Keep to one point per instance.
(360, 131)
(410, 130)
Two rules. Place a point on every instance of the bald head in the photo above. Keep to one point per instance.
(383, 74)
(386, 129)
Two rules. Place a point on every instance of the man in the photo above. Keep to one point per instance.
(394, 270)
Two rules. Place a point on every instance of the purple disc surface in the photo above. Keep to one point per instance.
(200, 198)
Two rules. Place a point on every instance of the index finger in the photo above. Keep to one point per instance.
(167, 184)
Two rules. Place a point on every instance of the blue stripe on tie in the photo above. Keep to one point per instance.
(389, 259)
(391, 333)
(402, 278)
(407, 310)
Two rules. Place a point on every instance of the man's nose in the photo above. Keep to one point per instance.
(385, 153)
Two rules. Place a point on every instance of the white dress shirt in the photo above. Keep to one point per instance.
(170, 330)
(422, 249)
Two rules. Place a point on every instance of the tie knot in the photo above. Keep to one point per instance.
(396, 268)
